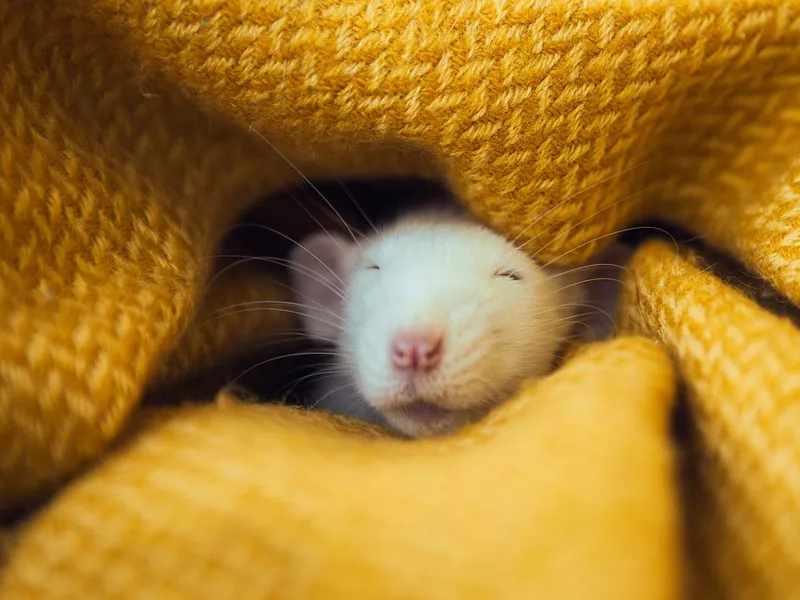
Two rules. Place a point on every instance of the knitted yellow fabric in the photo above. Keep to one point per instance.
(134, 132)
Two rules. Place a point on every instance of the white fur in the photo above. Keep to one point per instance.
(446, 272)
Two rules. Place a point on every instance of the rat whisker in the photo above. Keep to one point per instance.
(355, 401)
(314, 377)
(284, 336)
(281, 357)
(299, 245)
(296, 293)
(332, 216)
(324, 229)
(711, 267)
(452, 25)
(560, 307)
(276, 309)
(588, 266)
(283, 262)
(565, 233)
(581, 323)
(332, 392)
(358, 207)
(233, 308)
(581, 336)
(611, 234)
(582, 282)
(263, 342)
(225, 269)
(582, 191)
(216, 240)
(315, 365)
(306, 179)
(593, 310)
(574, 318)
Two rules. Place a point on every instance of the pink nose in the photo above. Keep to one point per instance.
(417, 350)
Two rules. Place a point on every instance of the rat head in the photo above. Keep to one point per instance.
(439, 319)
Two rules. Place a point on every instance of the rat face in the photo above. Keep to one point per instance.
(441, 320)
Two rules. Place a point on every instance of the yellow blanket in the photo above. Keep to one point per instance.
(133, 132)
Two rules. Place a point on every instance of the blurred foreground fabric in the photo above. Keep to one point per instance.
(133, 133)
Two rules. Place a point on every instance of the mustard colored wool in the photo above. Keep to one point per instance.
(270, 502)
(134, 133)
(742, 374)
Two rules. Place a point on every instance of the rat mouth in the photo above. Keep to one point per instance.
(425, 412)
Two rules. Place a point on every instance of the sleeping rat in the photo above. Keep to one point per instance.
(436, 318)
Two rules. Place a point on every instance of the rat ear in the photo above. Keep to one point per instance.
(602, 278)
(320, 270)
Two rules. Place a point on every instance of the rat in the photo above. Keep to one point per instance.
(435, 318)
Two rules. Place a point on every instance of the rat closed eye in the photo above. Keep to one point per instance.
(509, 274)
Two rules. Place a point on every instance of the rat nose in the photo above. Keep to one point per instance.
(417, 349)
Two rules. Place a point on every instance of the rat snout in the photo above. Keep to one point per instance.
(417, 350)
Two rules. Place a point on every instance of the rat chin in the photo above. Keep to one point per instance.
(424, 419)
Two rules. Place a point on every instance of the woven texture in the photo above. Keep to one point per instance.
(135, 132)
